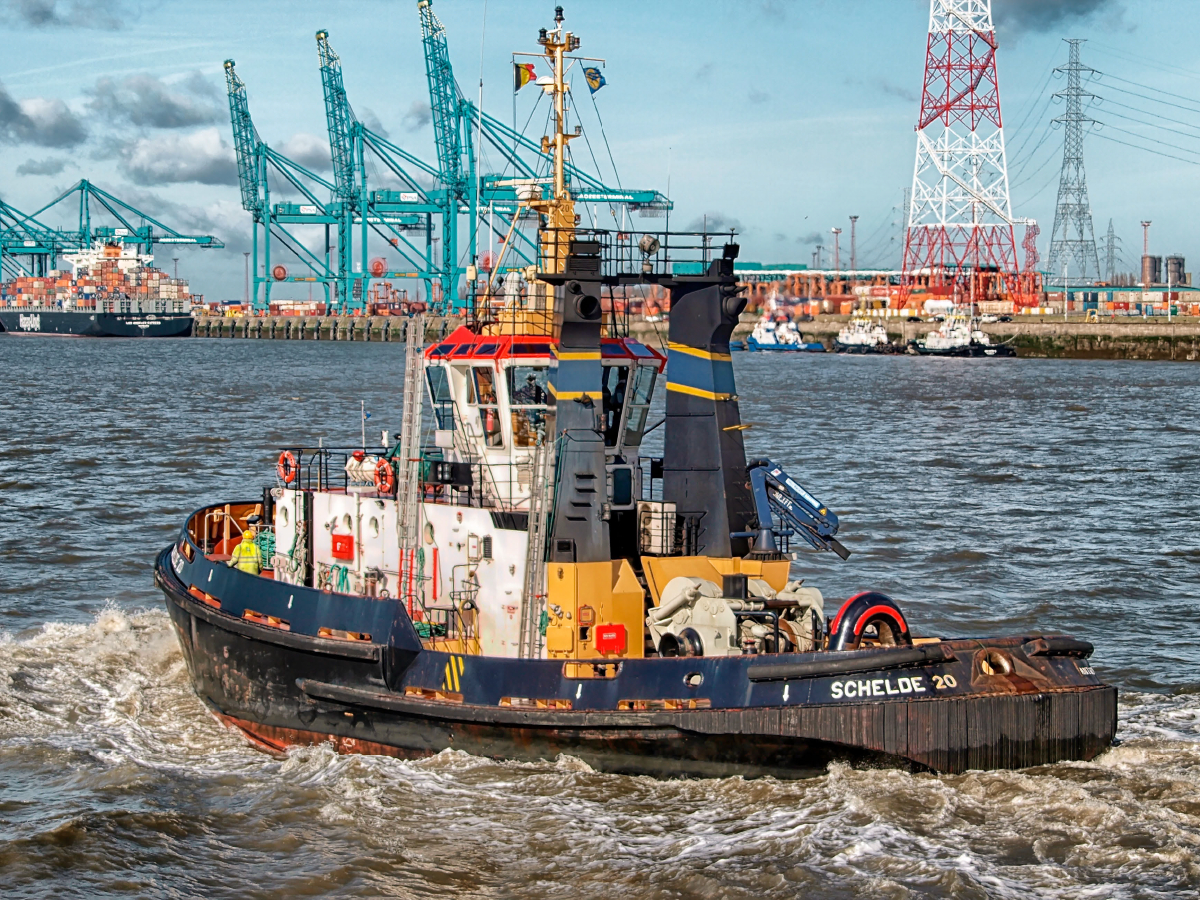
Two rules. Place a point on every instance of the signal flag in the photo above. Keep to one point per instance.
(522, 74)
(595, 80)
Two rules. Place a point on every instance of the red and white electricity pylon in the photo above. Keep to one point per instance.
(960, 221)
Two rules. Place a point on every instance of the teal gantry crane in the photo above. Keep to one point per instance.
(418, 199)
(398, 215)
(457, 124)
(27, 237)
(257, 164)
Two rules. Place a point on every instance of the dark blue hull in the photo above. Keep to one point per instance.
(786, 715)
(71, 323)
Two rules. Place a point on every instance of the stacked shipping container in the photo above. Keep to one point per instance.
(107, 278)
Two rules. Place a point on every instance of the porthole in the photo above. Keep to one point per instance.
(347, 522)
(373, 526)
(693, 679)
(284, 516)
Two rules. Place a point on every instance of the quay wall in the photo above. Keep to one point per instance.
(1040, 337)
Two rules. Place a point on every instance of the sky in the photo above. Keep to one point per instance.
(780, 119)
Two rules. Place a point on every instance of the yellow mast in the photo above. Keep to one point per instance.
(557, 211)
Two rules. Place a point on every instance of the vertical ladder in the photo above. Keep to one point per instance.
(534, 594)
(408, 480)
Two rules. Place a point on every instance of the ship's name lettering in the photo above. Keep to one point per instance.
(29, 323)
(877, 687)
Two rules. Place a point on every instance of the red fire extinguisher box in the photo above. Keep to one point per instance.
(343, 546)
(610, 638)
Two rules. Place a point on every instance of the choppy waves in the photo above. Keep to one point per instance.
(987, 496)
(118, 780)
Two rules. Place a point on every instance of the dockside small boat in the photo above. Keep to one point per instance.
(958, 335)
(527, 583)
(780, 334)
(863, 335)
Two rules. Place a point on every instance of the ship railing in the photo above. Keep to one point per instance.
(319, 468)
(471, 483)
(446, 482)
(633, 255)
(621, 259)
(453, 624)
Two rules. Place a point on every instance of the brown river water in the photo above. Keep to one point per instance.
(987, 496)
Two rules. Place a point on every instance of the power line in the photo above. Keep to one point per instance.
(1151, 124)
(1045, 131)
(1113, 51)
(1114, 140)
(1147, 87)
(1035, 96)
(1110, 100)
(1143, 137)
(1153, 99)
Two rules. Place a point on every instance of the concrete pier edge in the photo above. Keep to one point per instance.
(1032, 336)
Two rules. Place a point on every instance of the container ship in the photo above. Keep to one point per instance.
(111, 290)
(525, 580)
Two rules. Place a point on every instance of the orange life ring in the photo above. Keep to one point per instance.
(385, 477)
(287, 467)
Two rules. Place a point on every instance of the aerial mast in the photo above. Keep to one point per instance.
(558, 211)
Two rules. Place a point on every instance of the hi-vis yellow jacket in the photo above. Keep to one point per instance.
(245, 555)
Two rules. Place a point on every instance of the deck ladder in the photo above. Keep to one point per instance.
(540, 504)
(408, 481)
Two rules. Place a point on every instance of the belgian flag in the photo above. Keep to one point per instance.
(522, 74)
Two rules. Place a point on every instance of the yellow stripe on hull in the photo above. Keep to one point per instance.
(697, 392)
(697, 352)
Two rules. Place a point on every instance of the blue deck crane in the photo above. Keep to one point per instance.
(779, 496)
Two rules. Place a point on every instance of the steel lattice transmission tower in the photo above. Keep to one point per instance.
(960, 219)
(1072, 241)
(1110, 253)
(1030, 245)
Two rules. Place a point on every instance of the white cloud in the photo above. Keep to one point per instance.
(308, 150)
(39, 120)
(201, 156)
(149, 102)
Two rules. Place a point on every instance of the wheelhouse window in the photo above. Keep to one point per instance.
(639, 404)
(612, 392)
(528, 399)
(440, 397)
(481, 392)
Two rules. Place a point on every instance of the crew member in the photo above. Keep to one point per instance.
(530, 393)
(245, 555)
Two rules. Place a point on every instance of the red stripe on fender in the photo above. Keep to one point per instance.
(862, 620)
(838, 618)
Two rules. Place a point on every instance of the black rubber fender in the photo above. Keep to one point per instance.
(847, 627)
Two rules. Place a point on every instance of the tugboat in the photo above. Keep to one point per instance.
(958, 335)
(779, 333)
(863, 335)
(529, 584)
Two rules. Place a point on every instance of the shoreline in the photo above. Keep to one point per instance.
(1041, 337)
